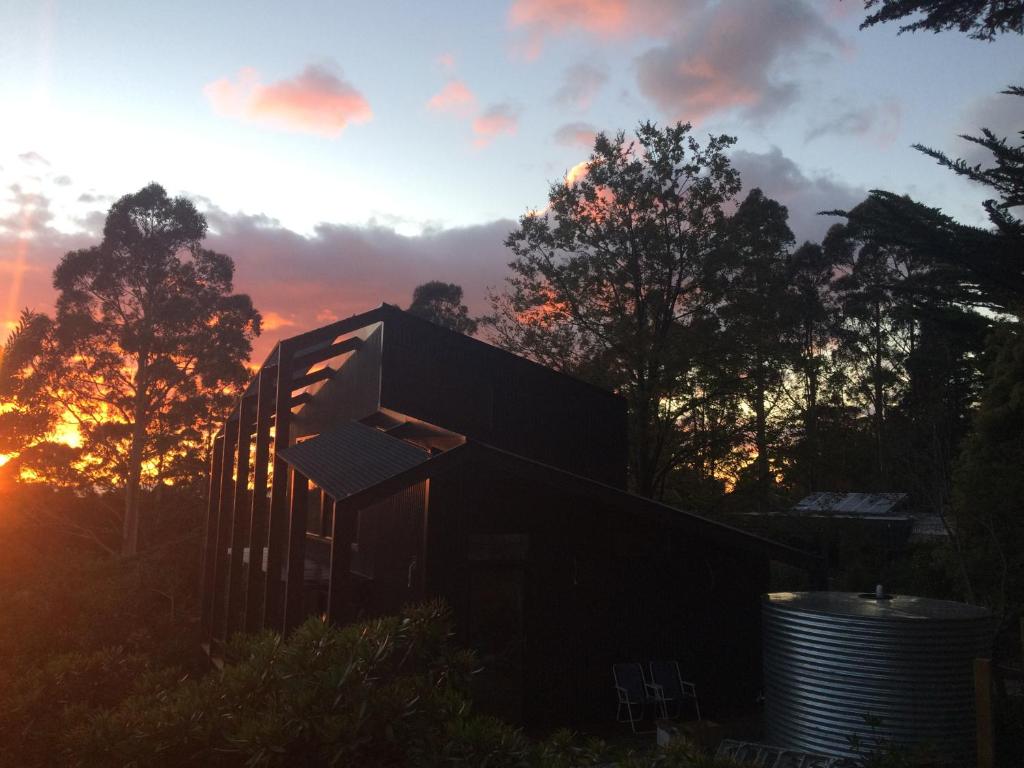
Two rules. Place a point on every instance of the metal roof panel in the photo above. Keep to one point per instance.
(352, 458)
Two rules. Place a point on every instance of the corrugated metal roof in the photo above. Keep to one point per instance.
(352, 458)
(858, 504)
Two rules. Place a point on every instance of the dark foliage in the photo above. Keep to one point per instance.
(982, 19)
(147, 342)
(441, 303)
(612, 281)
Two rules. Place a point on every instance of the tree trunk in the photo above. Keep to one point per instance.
(811, 414)
(130, 535)
(644, 462)
(879, 398)
(761, 438)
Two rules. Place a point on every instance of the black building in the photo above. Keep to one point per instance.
(383, 460)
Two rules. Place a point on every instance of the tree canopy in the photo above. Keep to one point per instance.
(611, 281)
(441, 303)
(147, 345)
(981, 19)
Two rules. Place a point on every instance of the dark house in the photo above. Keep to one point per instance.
(383, 460)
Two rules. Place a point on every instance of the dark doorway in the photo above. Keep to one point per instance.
(496, 633)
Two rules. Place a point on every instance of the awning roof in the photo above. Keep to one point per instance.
(352, 458)
(630, 503)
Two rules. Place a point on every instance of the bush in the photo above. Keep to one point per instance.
(386, 693)
(40, 705)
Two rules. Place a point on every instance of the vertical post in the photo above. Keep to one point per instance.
(983, 711)
(296, 571)
(277, 533)
(220, 562)
(258, 514)
(239, 519)
(210, 545)
(339, 588)
(421, 556)
(326, 514)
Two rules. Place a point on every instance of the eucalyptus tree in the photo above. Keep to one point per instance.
(148, 342)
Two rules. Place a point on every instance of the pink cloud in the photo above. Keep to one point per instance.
(297, 281)
(447, 61)
(576, 135)
(340, 270)
(315, 101)
(454, 97)
(577, 172)
(497, 120)
(604, 19)
(698, 73)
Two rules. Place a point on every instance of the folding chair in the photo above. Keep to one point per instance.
(668, 687)
(633, 693)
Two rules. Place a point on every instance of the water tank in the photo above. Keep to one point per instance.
(833, 659)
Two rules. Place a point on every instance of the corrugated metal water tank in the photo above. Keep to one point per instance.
(833, 658)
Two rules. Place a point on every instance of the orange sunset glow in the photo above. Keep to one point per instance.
(512, 382)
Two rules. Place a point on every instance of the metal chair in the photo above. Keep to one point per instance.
(668, 687)
(633, 691)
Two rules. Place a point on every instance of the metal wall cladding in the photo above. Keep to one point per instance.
(832, 660)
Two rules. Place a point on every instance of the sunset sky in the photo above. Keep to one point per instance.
(346, 151)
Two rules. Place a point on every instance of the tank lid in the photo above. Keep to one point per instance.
(866, 606)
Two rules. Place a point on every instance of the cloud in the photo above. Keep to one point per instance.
(576, 135)
(495, 121)
(782, 179)
(33, 158)
(341, 270)
(879, 121)
(539, 20)
(316, 101)
(728, 58)
(298, 282)
(580, 84)
(273, 321)
(1000, 113)
(30, 248)
(62, 180)
(447, 62)
(577, 172)
(27, 214)
(455, 97)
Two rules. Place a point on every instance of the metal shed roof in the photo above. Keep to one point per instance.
(859, 504)
(352, 458)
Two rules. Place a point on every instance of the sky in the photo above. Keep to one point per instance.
(344, 152)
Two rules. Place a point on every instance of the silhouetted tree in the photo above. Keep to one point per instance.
(28, 415)
(983, 19)
(814, 313)
(609, 282)
(147, 343)
(757, 313)
(441, 303)
(988, 486)
(875, 332)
